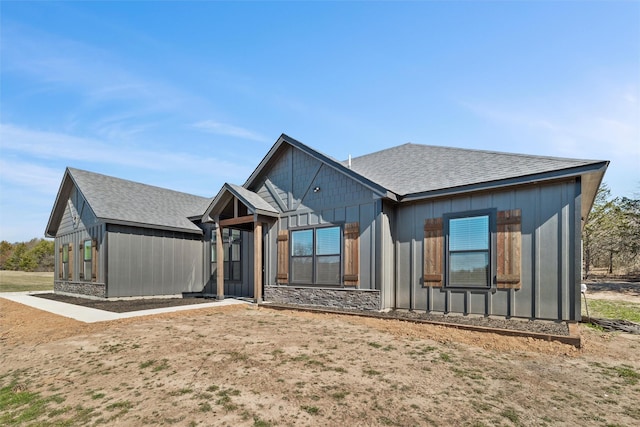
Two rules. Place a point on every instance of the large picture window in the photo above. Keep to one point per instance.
(469, 251)
(315, 256)
(232, 254)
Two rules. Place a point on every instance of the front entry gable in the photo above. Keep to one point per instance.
(235, 203)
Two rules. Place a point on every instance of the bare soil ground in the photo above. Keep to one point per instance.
(240, 365)
(613, 290)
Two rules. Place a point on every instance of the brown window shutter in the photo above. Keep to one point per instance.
(508, 245)
(433, 249)
(81, 258)
(352, 254)
(94, 260)
(283, 257)
(60, 264)
(70, 277)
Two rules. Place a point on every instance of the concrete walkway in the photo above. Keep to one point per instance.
(92, 315)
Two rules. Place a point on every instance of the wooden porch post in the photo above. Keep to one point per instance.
(219, 262)
(257, 261)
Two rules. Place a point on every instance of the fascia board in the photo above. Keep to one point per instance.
(267, 213)
(57, 211)
(214, 202)
(152, 226)
(494, 185)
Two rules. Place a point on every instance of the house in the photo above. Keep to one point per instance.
(117, 238)
(412, 227)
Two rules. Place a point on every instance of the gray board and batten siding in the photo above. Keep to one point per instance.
(146, 245)
(77, 225)
(550, 253)
(288, 185)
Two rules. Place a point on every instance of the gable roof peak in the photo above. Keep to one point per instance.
(120, 201)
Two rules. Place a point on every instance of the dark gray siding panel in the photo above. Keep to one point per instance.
(338, 200)
(78, 223)
(366, 218)
(550, 247)
(146, 262)
(77, 215)
(385, 254)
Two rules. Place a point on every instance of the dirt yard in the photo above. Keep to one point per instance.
(249, 366)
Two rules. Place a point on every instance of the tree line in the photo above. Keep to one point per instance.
(611, 236)
(34, 255)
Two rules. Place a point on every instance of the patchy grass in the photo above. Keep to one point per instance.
(160, 371)
(511, 415)
(627, 374)
(21, 407)
(313, 410)
(20, 281)
(257, 422)
(609, 309)
(119, 405)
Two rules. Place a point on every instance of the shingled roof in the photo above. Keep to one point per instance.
(410, 169)
(254, 203)
(119, 201)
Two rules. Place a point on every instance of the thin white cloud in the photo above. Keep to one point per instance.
(72, 149)
(611, 119)
(606, 126)
(96, 82)
(219, 128)
(35, 178)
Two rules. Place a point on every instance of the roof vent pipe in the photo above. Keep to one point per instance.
(349, 161)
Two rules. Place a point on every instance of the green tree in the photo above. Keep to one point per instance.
(629, 230)
(42, 254)
(13, 262)
(6, 249)
(611, 235)
(34, 255)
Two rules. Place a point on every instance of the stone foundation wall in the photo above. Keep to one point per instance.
(358, 299)
(90, 289)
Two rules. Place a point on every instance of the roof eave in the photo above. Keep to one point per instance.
(152, 226)
(590, 184)
(580, 171)
(57, 212)
(206, 217)
(271, 214)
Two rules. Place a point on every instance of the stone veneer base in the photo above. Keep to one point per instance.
(89, 289)
(358, 299)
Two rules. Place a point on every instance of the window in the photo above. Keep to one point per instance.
(87, 256)
(232, 253)
(65, 262)
(315, 256)
(480, 249)
(468, 251)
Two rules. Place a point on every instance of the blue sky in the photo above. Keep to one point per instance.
(188, 95)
